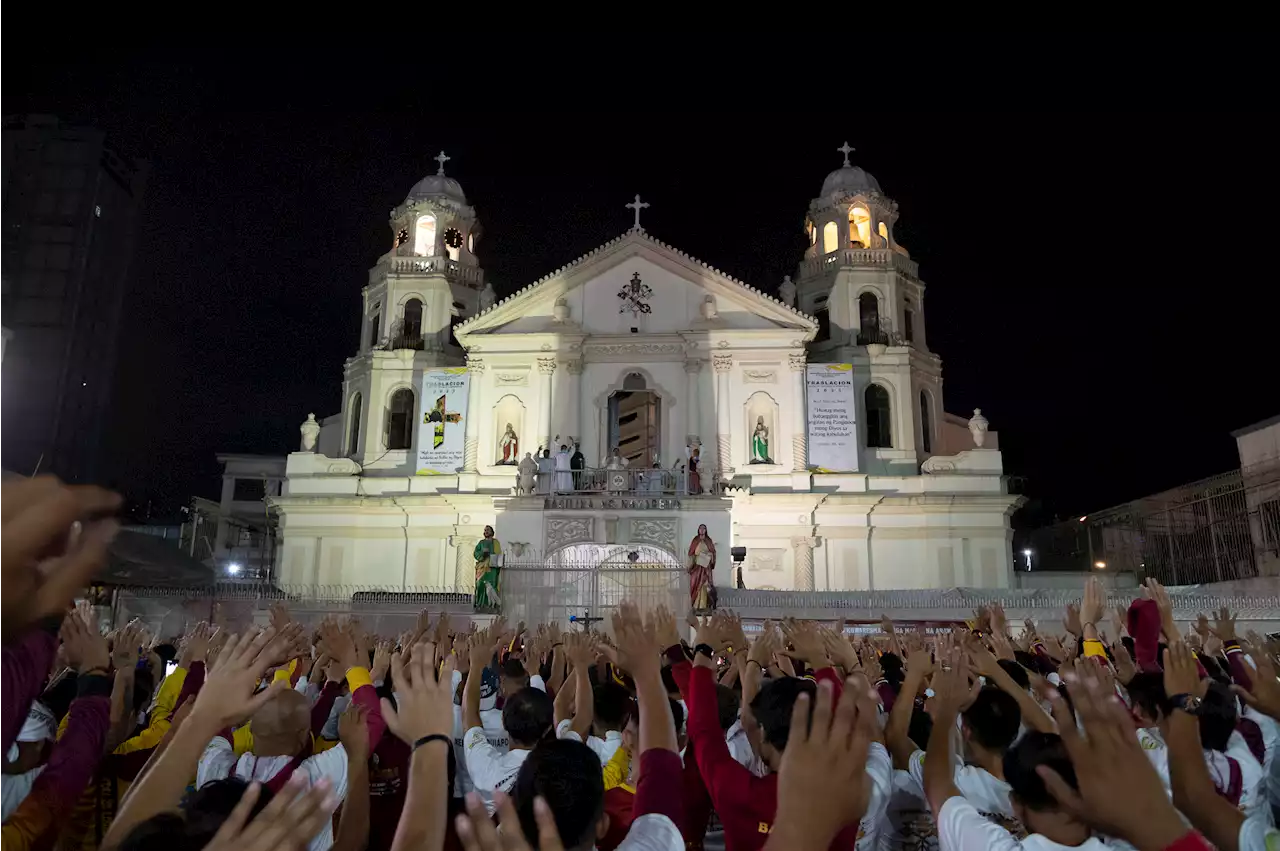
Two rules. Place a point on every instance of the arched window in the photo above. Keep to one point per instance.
(813, 233)
(400, 416)
(412, 319)
(859, 227)
(879, 426)
(926, 424)
(375, 326)
(884, 233)
(869, 320)
(424, 236)
(353, 444)
(830, 237)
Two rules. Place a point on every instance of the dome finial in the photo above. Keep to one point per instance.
(442, 158)
(844, 149)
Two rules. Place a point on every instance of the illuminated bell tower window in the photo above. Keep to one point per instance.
(424, 236)
(453, 243)
(813, 233)
(884, 233)
(859, 227)
(830, 237)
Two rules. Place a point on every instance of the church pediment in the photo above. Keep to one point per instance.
(635, 284)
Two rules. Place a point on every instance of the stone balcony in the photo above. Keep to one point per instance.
(881, 258)
(470, 276)
(629, 482)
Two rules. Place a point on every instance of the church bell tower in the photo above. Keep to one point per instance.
(429, 281)
(866, 292)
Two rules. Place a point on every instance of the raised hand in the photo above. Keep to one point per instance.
(807, 642)
(578, 647)
(1118, 617)
(665, 624)
(766, 644)
(840, 651)
(1125, 669)
(228, 697)
(381, 661)
(1164, 604)
(639, 650)
(1093, 605)
(999, 621)
(1264, 696)
(478, 832)
(1224, 625)
(86, 648)
(196, 645)
(1118, 791)
(341, 646)
(44, 560)
(353, 730)
(279, 616)
(124, 652)
(292, 819)
(1180, 673)
(1071, 621)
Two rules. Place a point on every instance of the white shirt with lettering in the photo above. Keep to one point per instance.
(489, 768)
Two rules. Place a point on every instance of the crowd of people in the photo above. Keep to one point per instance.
(1114, 729)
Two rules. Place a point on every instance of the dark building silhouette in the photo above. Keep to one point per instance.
(70, 217)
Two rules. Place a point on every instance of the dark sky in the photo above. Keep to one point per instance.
(1096, 248)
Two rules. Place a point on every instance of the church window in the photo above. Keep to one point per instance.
(399, 429)
(926, 424)
(884, 233)
(823, 315)
(908, 325)
(412, 319)
(375, 326)
(869, 320)
(879, 426)
(471, 243)
(813, 233)
(424, 236)
(353, 444)
(859, 227)
(634, 424)
(830, 237)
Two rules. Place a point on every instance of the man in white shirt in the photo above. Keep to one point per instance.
(611, 705)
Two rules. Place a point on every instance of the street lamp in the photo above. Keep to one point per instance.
(233, 568)
(1027, 555)
(1101, 565)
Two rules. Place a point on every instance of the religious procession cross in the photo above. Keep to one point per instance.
(440, 417)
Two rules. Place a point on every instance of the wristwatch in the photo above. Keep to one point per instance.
(1187, 702)
(705, 649)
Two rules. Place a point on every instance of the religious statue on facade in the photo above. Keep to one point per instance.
(528, 470)
(978, 426)
(487, 296)
(702, 565)
(488, 556)
(760, 443)
(310, 432)
(787, 292)
(509, 446)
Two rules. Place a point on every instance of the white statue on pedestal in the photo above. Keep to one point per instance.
(528, 468)
(787, 292)
(310, 431)
(978, 426)
(487, 296)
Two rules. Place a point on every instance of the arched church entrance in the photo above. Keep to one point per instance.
(583, 581)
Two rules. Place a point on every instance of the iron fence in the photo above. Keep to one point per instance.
(633, 481)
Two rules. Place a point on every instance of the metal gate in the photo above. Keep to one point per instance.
(590, 582)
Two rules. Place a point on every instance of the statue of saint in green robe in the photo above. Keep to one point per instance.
(488, 574)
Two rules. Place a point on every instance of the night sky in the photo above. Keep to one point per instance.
(1098, 270)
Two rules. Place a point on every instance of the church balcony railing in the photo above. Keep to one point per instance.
(638, 482)
(880, 257)
(471, 276)
(872, 336)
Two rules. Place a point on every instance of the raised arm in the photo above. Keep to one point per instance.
(1033, 715)
(896, 737)
(951, 690)
(423, 720)
(353, 823)
(578, 646)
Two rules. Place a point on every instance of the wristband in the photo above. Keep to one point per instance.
(757, 664)
(434, 737)
(705, 649)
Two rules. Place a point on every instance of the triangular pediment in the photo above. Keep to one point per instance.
(608, 290)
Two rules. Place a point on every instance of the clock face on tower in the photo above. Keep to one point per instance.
(453, 238)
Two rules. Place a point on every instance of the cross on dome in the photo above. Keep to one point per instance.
(844, 149)
(442, 158)
(637, 205)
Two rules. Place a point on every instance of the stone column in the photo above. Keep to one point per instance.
(723, 364)
(572, 385)
(546, 369)
(692, 371)
(799, 415)
(471, 449)
(465, 576)
(803, 572)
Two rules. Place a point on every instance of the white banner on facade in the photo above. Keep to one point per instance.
(833, 432)
(442, 427)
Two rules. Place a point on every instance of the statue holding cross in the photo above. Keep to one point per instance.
(637, 205)
(440, 417)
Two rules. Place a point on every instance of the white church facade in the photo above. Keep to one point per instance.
(823, 449)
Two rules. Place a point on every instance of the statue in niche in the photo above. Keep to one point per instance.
(509, 446)
(760, 443)
(487, 296)
(528, 470)
(488, 556)
(702, 566)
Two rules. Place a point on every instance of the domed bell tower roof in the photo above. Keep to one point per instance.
(436, 185)
(849, 178)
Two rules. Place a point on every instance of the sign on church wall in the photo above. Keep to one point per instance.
(833, 431)
(441, 425)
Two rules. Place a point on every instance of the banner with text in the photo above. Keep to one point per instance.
(442, 427)
(833, 442)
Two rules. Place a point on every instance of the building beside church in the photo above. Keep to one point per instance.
(822, 444)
